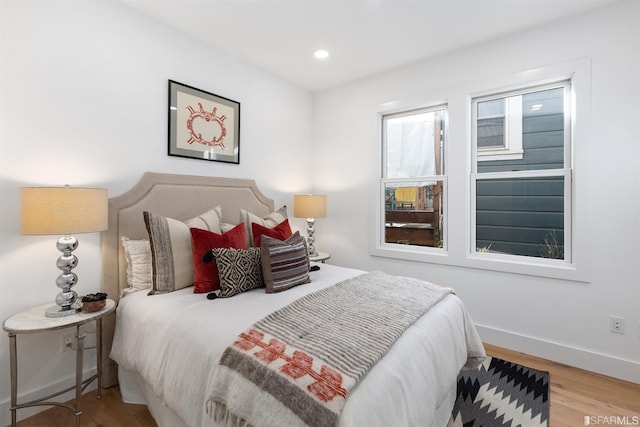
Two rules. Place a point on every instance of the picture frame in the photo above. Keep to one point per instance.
(203, 125)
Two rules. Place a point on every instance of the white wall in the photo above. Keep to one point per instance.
(83, 101)
(560, 320)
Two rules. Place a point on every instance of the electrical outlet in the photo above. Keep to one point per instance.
(68, 342)
(616, 324)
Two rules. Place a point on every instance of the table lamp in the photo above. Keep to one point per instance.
(63, 210)
(310, 206)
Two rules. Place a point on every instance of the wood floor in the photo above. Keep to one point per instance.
(575, 393)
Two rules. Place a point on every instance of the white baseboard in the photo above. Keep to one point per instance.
(5, 406)
(604, 364)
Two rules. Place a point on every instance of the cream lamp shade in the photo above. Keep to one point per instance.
(310, 206)
(63, 211)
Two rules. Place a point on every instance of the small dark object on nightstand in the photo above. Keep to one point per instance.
(94, 297)
(94, 302)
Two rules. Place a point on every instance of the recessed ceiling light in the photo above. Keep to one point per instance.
(321, 54)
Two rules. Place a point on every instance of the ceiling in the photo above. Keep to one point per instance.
(364, 37)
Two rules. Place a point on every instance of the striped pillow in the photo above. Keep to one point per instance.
(269, 221)
(171, 251)
(285, 263)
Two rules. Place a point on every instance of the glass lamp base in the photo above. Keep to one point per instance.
(57, 311)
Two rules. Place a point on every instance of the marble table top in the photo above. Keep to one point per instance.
(34, 319)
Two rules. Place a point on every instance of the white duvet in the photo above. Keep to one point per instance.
(173, 341)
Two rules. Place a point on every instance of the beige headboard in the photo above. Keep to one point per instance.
(176, 196)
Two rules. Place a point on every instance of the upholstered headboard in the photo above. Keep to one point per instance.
(176, 196)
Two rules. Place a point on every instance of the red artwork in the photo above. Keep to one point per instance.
(210, 119)
(328, 382)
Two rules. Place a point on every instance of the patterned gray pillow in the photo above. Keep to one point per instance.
(240, 270)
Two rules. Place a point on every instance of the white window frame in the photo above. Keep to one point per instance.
(381, 247)
(565, 172)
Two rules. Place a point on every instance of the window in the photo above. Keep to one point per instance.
(413, 183)
(521, 202)
(499, 129)
(496, 171)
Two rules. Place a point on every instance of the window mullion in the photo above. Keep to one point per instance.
(541, 173)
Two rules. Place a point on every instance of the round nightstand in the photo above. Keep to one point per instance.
(320, 257)
(34, 320)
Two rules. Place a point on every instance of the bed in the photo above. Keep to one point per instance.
(166, 350)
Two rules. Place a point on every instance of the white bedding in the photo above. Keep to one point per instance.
(174, 341)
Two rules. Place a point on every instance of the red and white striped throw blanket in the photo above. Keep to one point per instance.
(296, 366)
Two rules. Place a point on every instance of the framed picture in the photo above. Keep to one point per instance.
(203, 125)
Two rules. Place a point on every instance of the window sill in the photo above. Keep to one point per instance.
(551, 269)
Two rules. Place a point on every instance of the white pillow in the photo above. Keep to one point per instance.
(139, 272)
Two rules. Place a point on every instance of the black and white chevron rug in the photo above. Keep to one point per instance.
(501, 394)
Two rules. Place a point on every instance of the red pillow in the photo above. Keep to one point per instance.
(281, 231)
(205, 277)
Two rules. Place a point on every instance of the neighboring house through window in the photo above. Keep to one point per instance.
(499, 129)
(522, 204)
